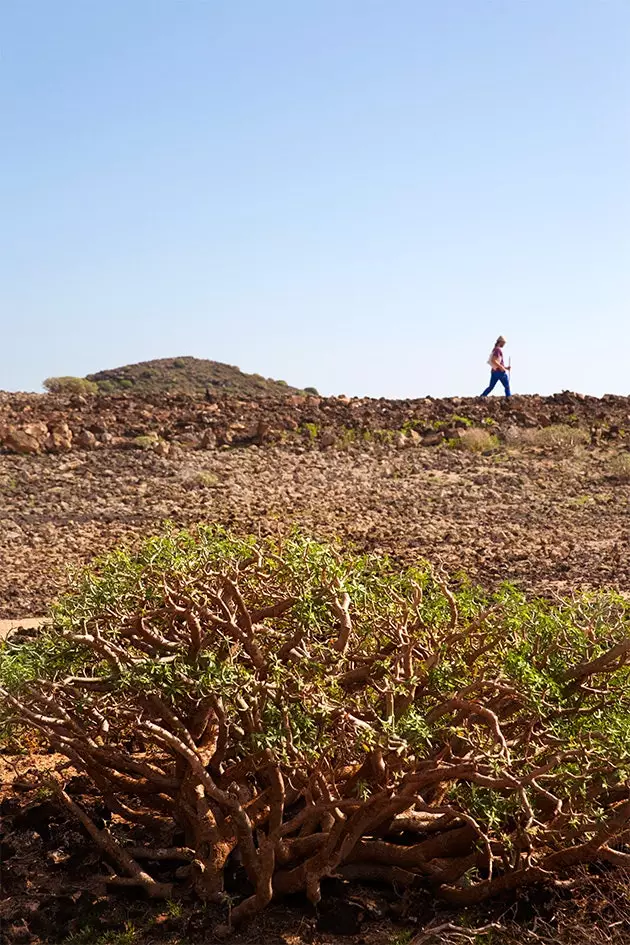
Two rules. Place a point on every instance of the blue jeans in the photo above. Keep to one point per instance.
(495, 377)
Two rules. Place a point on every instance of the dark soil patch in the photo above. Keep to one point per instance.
(50, 894)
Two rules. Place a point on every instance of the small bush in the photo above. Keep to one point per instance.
(410, 426)
(618, 466)
(205, 479)
(461, 421)
(347, 436)
(476, 440)
(70, 385)
(557, 437)
(146, 441)
(311, 390)
(283, 712)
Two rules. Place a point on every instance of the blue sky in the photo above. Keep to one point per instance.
(353, 194)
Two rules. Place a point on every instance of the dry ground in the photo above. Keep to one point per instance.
(49, 894)
(551, 520)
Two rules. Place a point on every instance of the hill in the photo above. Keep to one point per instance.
(188, 375)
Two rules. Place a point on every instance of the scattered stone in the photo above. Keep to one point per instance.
(38, 430)
(86, 440)
(524, 419)
(208, 441)
(18, 441)
(59, 439)
(163, 449)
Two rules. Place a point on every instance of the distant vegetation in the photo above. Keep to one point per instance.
(70, 385)
(187, 376)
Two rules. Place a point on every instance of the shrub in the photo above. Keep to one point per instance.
(557, 436)
(311, 390)
(476, 440)
(618, 466)
(205, 479)
(410, 426)
(278, 709)
(146, 441)
(461, 421)
(70, 385)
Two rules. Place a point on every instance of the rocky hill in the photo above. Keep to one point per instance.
(187, 376)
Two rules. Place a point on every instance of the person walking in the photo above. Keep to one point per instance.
(498, 370)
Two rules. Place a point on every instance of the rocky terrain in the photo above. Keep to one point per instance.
(534, 490)
(53, 423)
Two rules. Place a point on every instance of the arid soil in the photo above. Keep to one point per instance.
(52, 893)
(551, 518)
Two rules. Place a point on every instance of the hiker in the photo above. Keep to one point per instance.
(499, 372)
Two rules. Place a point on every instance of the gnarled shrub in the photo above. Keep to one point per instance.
(278, 710)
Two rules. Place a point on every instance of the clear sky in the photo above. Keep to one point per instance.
(356, 195)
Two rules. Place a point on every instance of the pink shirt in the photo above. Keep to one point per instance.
(497, 355)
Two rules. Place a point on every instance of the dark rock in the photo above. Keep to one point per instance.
(6, 851)
(38, 818)
(85, 440)
(208, 441)
(525, 419)
(340, 917)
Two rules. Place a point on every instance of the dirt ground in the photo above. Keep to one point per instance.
(551, 520)
(52, 892)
